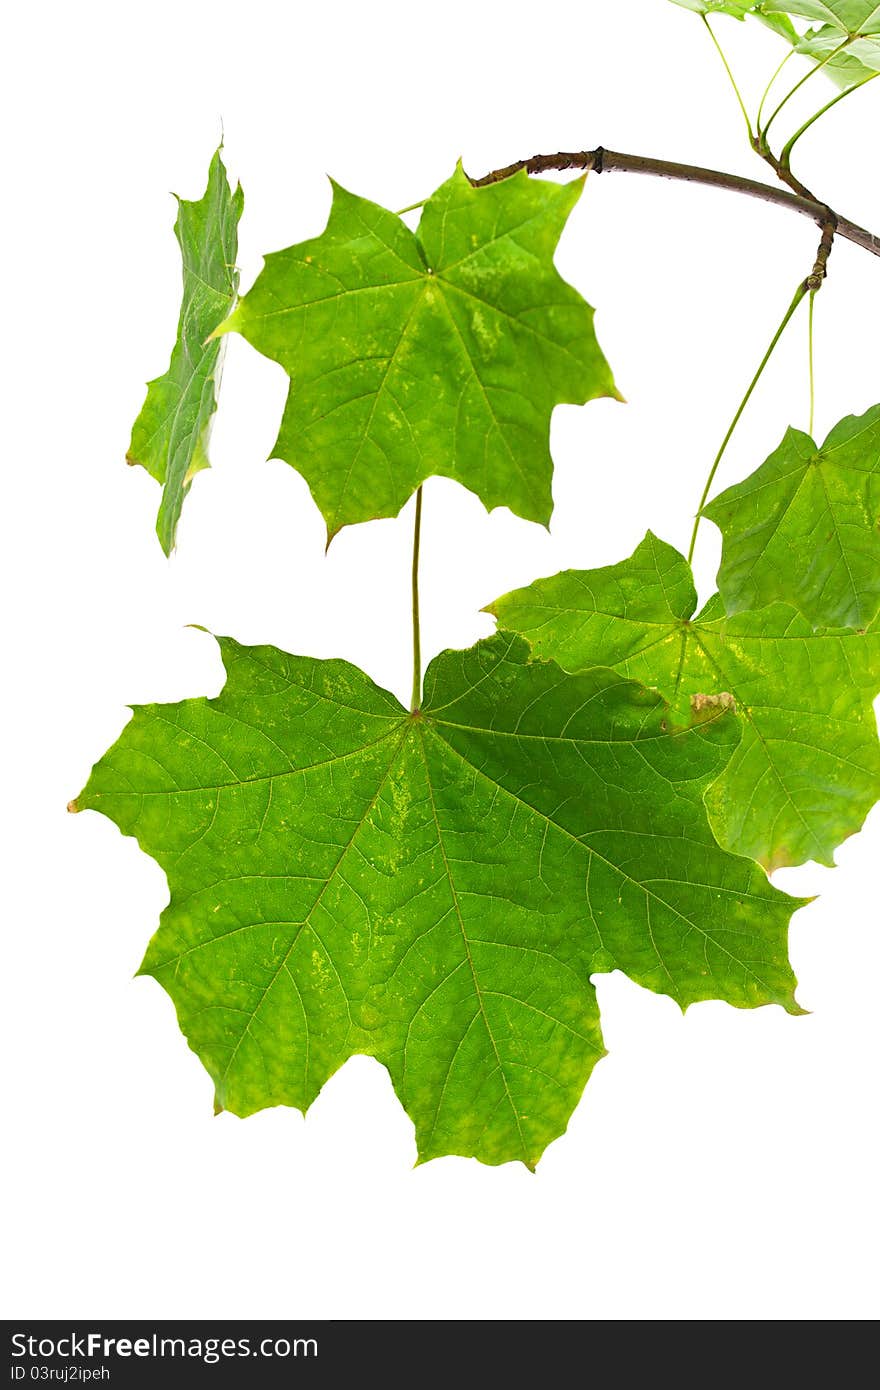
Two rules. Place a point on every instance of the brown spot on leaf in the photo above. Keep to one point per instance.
(712, 704)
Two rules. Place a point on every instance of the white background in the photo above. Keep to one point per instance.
(721, 1164)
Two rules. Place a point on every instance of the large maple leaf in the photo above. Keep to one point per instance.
(434, 889)
(441, 351)
(807, 770)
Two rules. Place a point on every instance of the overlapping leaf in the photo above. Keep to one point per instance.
(434, 890)
(847, 67)
(846, 41)
(849, 16)
(807, 769)
(738, 9)
(804, 527)
(170, 435)
(442, 351)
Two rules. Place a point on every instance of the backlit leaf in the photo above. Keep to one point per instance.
(170, 435)
(804, 527)
(857, 21)
(738, 9)
(807, 769)
(434, 890)
(850, 22)
(442, 351)
(849, 16)
(854, 64)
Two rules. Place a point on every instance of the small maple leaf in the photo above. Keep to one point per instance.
(441, 351)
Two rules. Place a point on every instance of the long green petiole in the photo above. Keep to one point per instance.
(812, 370)
(733, 82)
(417, 639)
(767, 90)
(829, 57)
(785, 154)
(801, 290)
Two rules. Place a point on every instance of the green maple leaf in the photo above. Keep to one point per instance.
(807, 769)
(847, 16)
(804, 527)
(841, 20)
(738, 9)
(858, 62)
(434, 889)
(854, 22)
(170, 435)
(442, 351)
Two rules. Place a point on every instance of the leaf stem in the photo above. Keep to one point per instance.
(727, 68)
(802, 289)
(769, 87)
(416, 631)
(785, 153)
(817, 67)
(810, 355)
(411, 208)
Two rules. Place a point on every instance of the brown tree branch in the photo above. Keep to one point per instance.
(830, 225)
(814, 280)
(782, 171)
(602, 161)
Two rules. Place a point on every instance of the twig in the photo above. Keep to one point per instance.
(602, 161)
